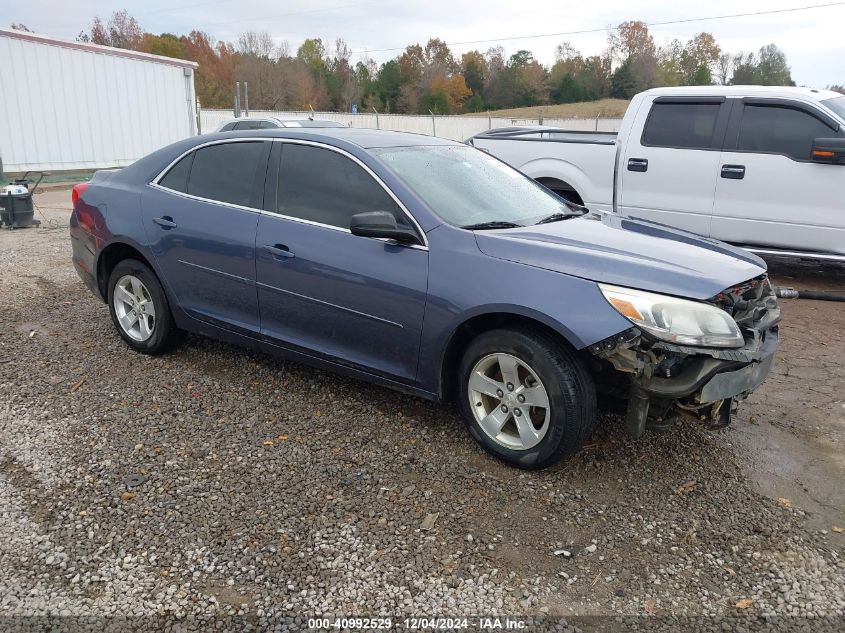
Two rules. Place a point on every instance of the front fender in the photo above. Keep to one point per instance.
(464, 283)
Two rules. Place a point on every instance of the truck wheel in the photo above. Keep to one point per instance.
(139, 309)
(526, 398)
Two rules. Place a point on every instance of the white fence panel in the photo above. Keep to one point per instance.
(456, 127)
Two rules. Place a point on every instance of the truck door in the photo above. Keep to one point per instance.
(769, 192)
(670, 162)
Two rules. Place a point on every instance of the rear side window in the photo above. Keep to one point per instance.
(323, 186)
(228, 127)
(687, 125)
(177, 177)
(780, 130)
(226, 172)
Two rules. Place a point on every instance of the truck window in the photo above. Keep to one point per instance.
(780, 130)
(687, 125)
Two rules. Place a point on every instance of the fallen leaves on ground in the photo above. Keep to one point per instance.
(686, 488)
(77, 384)
(744, 603)
(128, 495)
(784, 503)
(838, 529)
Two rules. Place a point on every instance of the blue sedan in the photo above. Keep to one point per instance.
(430, 267)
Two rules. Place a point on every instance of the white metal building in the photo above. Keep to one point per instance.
(71, 105)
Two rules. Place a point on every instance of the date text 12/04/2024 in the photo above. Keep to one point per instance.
(413, 624)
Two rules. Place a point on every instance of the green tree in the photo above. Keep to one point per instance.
(388, 85)
(772, 69)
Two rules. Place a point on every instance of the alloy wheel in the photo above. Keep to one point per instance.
(134, 308)
(509, 401)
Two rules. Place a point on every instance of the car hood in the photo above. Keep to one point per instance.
(607, 248)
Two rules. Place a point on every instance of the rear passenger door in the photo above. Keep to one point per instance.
(668, 173)
(353, 300)
(200, 218)
(770, 192)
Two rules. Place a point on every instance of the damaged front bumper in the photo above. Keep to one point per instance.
(705, 383)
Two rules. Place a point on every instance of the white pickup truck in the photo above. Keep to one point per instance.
(761, 167)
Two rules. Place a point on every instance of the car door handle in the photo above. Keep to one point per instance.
(637, 164)
(165, 222)
(279, 251)
(734, 172)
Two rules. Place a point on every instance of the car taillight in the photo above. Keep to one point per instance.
(77, 191)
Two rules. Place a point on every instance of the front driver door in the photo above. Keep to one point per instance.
(770, 192)
(323, 291)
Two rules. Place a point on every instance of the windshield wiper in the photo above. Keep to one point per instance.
(556, 217)
(497, 224)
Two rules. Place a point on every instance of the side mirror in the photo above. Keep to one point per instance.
(829, 150)
(381, 224)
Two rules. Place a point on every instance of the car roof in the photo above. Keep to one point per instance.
(785, 92)
(366, 138)
(299, 122)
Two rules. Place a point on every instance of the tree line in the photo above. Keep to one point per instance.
(431, 78)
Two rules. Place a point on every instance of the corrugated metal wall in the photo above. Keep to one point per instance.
(66, 108)
(456, 128)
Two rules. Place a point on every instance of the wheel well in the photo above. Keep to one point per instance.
(468, 330)
(563, 189)
(111, 257)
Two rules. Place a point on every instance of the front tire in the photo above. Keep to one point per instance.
(525, 397)
(139, 309)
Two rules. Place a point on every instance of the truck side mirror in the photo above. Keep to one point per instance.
(829, 150)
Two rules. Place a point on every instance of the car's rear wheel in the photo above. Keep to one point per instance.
(139, 309)
(525, 397)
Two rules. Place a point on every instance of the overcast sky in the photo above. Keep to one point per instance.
(812, 39)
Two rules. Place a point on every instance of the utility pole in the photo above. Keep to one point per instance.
(237, 99)
(246, 98)
(378, 127)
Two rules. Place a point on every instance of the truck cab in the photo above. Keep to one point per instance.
(758, 166)
(736, 164)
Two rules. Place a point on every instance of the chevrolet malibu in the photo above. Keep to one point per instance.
(430, 267)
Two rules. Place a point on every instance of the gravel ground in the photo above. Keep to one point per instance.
(219, 488)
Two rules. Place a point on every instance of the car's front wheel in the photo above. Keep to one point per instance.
(139, 309)
(525, 397)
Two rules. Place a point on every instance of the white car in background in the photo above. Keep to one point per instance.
(761, 167)
(264, 123)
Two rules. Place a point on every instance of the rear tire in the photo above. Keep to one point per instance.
(547, 407)
(139, 309)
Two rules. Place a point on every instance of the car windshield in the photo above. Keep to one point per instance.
(837, 104)
(467, 187)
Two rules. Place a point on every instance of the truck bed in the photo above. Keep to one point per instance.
(542, 133)
(576, 165)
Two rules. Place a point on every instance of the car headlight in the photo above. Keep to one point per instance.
(675, 320)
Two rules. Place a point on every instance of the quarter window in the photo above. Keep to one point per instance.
(177, 177)
(779, 130)
(323, 186)
(687, 125)
(226, 172)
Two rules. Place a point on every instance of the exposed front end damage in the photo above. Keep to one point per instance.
(706, 383)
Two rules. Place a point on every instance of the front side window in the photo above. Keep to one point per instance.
(226, 172)
(687, 125)
(323, 186)
(465, 186)
(780, 130)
